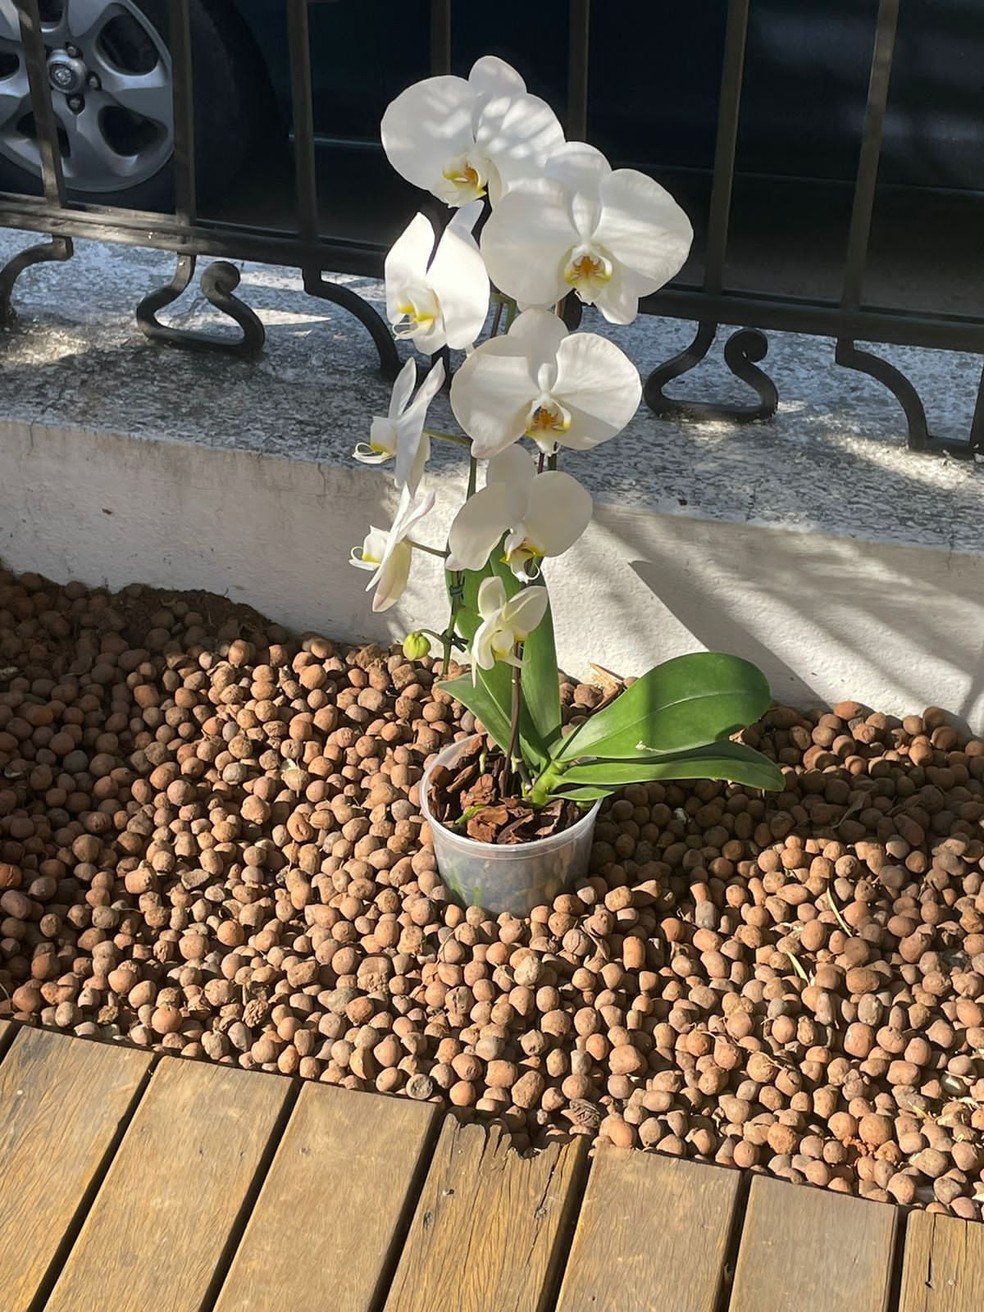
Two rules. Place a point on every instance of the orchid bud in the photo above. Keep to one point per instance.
(416, 646)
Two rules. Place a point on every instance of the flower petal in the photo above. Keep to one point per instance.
(540, 333)
(391, 578)
(458, 277)
(526, 241)
(643, 227)
(579, 168)
(406, 262)
(402, 389)
(491, 395)
(411, 510)
(559, 511)
(491, 596)
(518, 133)
(479, 525)
(412, 446)
(618, 300)
(425, 127)
(371, 552)
(600, 387)
(523, 612)
(492, 76)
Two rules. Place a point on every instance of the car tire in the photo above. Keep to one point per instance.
(234, 109)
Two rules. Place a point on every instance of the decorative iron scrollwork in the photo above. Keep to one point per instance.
(742, 351)
(920, 438)
(315, 284)
(218, 282)
(59, 248)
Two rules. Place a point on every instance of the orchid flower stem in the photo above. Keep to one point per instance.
(455, 438)
(457, 591)
(441, 552)
(517, 675)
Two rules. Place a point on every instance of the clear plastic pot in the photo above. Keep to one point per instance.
(514, 877)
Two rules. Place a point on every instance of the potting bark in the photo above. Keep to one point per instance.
(472, 799)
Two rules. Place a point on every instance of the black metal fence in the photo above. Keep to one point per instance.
(706, 295)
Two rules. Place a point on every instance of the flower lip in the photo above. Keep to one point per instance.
(468, 176)
(588, 270)
(547, 418)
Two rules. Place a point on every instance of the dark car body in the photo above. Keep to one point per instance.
(654, 77)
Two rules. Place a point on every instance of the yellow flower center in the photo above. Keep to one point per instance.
(547, 418)
(587, 272)
(420, 317)
(420, 308)
(519, 555)
(465, 177)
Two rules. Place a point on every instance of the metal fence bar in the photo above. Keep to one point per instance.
(28, 12)
(179, 22)
(862, 209)
(578, 46)
(729, 107)
(297, 241)
(302, 119)
(440, 37)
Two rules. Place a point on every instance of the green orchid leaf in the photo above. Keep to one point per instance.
(726, 760)
(682, 704)
(490, 700)
(583, 794)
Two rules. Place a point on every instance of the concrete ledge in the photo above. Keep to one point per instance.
(896, 627)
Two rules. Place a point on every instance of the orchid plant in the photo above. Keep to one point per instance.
(535, 223)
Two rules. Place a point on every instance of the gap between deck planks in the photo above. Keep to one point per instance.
(158, 1229)
(653, 1232)
(943, 1268)
(181, 1204)
(329, 1221)
(62, 1104)
(807, 1248)
(490, 1228)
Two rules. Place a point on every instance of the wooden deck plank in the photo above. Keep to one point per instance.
(326, 1227)
(168, 1206)
(652, 1233)
(62, 1102)
(943, 1264)
(807, 1248)
(488, 1232)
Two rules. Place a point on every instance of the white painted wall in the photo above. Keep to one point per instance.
(898, 628)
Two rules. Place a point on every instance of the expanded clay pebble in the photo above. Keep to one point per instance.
(210, 843)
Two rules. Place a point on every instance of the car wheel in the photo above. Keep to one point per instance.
(112, 77)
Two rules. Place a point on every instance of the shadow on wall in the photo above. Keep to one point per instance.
(817, 614)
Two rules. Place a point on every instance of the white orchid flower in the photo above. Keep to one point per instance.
(462, 140)
(540, 514)
(437, 297)
(506, 621)
(401, 432)
(613, 236)
(389, 553)
(540, 381)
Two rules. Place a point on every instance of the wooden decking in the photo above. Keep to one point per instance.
(130, 1183)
